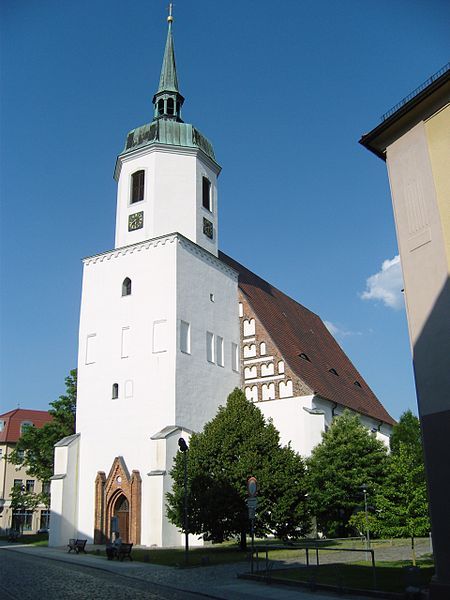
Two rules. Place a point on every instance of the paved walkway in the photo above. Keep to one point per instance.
(215, 581)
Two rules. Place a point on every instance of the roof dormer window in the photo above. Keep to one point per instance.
(24, 426)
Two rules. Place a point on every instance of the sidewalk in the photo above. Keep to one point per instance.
(216, 581)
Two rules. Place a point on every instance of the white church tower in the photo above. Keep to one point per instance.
(158, 337)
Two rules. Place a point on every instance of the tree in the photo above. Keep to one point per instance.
(348, 457)
(402, 502)
(34, 450)
(237, 444)
(407, 431)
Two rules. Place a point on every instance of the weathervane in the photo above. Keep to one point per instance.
(169, 8)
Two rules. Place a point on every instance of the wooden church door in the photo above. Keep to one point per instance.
(122, 512)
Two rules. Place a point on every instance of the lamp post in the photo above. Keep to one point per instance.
(184, 449)
(364, 491)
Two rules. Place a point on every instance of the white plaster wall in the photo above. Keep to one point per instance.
(123, 427)
(295, 425)
(172, 196)
(63, 506)
(203, 386)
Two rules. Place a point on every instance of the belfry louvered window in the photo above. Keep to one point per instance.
(137, 186)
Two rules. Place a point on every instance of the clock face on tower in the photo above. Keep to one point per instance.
(136, 221)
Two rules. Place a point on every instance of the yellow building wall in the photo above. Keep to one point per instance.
(438, 137)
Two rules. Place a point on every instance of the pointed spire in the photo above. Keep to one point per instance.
(168, 100)
(168, 82)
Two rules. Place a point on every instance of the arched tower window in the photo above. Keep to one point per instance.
(126, 287)
(137, 186)
(170, 106)
(115, 391)
(160, 107)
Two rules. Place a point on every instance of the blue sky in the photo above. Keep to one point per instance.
(284, 90)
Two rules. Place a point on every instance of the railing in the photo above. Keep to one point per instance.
(266, 572)
(414, 93)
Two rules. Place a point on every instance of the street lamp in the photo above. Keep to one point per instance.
(364, 491)
(184, 449)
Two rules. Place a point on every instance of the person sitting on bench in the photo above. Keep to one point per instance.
(112, 550)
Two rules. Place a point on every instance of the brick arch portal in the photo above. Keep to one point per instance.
(118, 495)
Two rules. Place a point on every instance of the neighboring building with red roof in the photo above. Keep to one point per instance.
(12, 425)
(294, 369)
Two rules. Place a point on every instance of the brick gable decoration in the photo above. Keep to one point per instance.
(313, 362)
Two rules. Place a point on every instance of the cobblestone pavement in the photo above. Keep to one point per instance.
(217, 581)
(28, 577)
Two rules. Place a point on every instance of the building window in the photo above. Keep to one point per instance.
(137, 186)
(234, 356)
(208, 228)
(20, 455)
(2, 425)
(219, 351)
(29, 486)
(185, 337)
(1, 452)
(115, 391)
(206, 194)
(46, 487)
(22, 520)
(126, 287)
(17, 483)
(170, 106)
(91, 345)
(24, 425)
(45, 519)
(161, 107)
(125, 349)
(210, 347)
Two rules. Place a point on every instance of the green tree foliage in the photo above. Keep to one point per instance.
(34, 450)
(402, 502)
(235, 445)
(407, 431)
(348, 457)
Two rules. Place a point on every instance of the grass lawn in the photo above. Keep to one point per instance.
(391, 576)
(36, 539)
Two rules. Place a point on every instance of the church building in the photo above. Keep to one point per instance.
(169, 326)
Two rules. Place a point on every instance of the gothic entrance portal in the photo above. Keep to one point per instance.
(121, 511)
(118, 504)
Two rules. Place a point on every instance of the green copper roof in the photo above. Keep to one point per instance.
(168, 132)
(168, 82)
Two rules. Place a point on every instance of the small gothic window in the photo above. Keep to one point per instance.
(161, 107)
(170, 106)
(206, 194)
(115, 391)
(126, 287)
(137, 186)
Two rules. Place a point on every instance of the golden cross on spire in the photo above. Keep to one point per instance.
(169, 8)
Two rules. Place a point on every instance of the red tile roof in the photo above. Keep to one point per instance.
(296, 330)
(14, 418)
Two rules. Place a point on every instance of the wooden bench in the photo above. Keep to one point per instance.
(77, 545)
(124, 551)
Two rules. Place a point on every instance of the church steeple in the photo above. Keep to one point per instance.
(168, 100)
